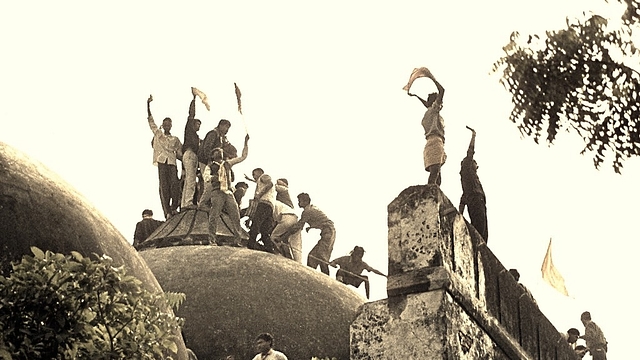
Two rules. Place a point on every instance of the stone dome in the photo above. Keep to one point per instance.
(233, 294)
(38, 208)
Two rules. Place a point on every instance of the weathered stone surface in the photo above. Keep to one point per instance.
(491, 268)
(529, 315)
(403, 327)
(233, 294)
(509, 310)
(38, 208)
(414, 230)
(463, 256)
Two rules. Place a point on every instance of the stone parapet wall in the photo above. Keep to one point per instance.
(449, 296)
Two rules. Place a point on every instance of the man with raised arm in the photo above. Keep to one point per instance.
(433, 124)
(218, 174)
(190, 155)
(472, 193)
(166, 149)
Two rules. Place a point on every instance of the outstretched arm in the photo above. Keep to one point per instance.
(149, 100)
(421, 99)
(378, 272)
(440, 89)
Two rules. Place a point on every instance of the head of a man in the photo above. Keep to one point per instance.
(431, 99)
(256, 173)
(217, 154)
(581, 351)
(264, 343)
(196, 124)
(585, 317)
(304, 200)
(572, 335)
(357, 252)
(147, 214)
(223, 126)
(166, 125)
(241, 188)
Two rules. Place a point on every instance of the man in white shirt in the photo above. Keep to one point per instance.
(166, 149)
(264, 346)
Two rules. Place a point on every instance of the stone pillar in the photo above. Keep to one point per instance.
(449, 297)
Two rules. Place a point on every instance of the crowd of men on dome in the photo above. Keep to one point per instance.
(207, 185)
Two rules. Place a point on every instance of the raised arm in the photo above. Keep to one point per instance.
(472, 143)
(440, 89)
(149, 100)
(152, 124)
(245, 153)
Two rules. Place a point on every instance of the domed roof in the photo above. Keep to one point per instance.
(38, 208)
(233, 294)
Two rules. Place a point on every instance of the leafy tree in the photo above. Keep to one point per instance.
(580, 79)
(54, 306)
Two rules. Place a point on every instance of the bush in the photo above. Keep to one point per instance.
(54, 306)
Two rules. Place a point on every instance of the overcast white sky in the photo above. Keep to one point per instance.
(324, 106)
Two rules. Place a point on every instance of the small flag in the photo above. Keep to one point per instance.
(202, 97)
(415, 74)
(238, 95)
(550, 273)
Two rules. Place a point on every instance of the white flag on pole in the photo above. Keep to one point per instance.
(550, 273)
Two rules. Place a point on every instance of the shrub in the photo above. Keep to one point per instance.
(54, 306)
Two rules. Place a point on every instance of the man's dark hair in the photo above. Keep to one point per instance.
(224, 122)
(515, 274)
(581, 347)
(258, 169)
(147, 212)
(304, 196)
(242, 184)
(586, 315)
(167, 119)
(198, 120)
(266, 337)
(573, 331)
(284, 181)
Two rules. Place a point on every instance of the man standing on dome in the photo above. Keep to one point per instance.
(166, 150)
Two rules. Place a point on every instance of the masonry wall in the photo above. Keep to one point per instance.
(449, 297)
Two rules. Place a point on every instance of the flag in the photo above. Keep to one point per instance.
(202, 97)
(550, 273)
(238, 95)
(415, 74)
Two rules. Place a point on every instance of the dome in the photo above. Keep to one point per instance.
(233, 294)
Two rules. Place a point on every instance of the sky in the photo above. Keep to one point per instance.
(324, 107)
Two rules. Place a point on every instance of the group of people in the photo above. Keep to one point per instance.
(473, 196)
(595, 342)
(207, 184)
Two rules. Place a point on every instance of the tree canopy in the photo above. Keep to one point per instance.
(583, 79)
(55, 306)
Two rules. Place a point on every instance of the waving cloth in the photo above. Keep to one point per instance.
(238, 95)
(202, 97)
(415, 74)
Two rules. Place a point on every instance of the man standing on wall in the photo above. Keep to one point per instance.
(472, 193)
(433, 124)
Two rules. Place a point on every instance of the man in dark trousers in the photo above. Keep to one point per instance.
(472, 193)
